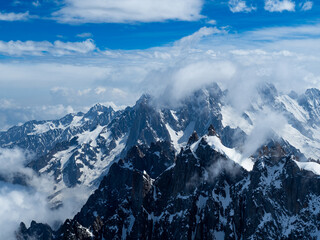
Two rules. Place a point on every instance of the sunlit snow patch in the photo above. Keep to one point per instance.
(90, 137)
(309, 166)
(293, 107)
(180, 138)
(232, 154)
(175, 136)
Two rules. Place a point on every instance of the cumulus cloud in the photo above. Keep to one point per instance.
(124, 11)
(279, 5)
(306, 6)
(236, 6)
(10, 17)
(57, 48)
(26, 200)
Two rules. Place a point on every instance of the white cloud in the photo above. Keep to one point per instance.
(88, 96)
(197, 36)
(187, 78)
(36, 3)
(266, 123)
(279, 5)
(84, 92)
(306, 6)
(57, 48)
(10, 17)
(276, 34)
(212, 22)
(84, 35)
(29, 201)
(100, 90)
(6, 103)
(123, 11)
(236, 6)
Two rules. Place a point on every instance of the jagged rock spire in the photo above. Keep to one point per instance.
(211, 131)
(193, 138)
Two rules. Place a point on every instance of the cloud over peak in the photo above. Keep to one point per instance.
(126, 11)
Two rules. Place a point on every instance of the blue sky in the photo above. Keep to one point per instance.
(40, 22)
(61, 56)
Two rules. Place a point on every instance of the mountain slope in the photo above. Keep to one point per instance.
(204, 195)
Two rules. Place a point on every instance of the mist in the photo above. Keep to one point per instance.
(266, 124)
(24, 195)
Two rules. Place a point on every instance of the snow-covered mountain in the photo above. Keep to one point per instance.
(207, 174)
(205, 193)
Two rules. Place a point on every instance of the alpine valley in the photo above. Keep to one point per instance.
(200, 168)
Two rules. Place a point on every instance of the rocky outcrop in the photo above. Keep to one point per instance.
(36, 230)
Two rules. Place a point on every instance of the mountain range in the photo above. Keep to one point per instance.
(205, 167)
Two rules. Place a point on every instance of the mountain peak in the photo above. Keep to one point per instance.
(97, 110)
(313, 92)
(212, 131)
(100, 107)
(144, 99)
(267, 91)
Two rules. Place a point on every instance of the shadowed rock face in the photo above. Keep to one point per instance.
(203, 195)
(35, 231)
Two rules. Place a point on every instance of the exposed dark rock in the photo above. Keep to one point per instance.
(211, 131)
(193, 138)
